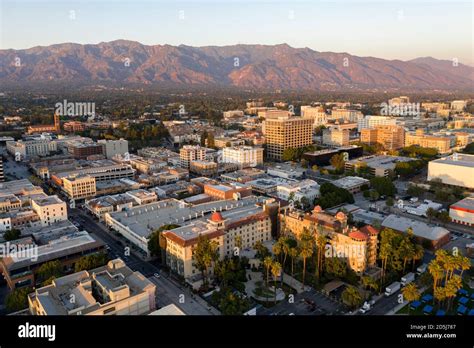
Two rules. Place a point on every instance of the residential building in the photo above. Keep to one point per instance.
(74, 126)
(285, 133)
(189, 153)
(233, 114)
(113, 289)
(224, 142)
(456, 169)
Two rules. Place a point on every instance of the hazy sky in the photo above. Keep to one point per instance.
(398, 29)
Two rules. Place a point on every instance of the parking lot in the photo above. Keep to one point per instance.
(307, 303)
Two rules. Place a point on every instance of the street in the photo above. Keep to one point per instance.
(168, 290)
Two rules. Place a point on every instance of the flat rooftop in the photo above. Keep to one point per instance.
(386, 162)
(143, 220)
(420, 229)
(466, 203)
(457, 159)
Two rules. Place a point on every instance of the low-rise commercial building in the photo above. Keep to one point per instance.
(462, 212)
(50, 209)
(113, 289)
(243, 156)
(79, 187)
(456, 169)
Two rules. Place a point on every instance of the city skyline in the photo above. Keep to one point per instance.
(335, 26)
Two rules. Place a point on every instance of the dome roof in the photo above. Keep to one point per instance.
(216, 217)
(358, 235)
(317, 209)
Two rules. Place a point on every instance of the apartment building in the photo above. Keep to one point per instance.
(389, 136)
(285, 133)
(206, 168)
(113, 289)
(189, 153)
(335, 136)
(79, 186)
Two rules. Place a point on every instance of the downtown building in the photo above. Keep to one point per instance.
(358, 247)
(113, 289)
(243, 156)
(389, 136)
(285, 133)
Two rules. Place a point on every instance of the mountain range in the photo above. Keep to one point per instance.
(243, 66)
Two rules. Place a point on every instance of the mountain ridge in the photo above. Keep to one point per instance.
(243, 65)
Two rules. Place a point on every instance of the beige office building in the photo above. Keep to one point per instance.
(189, 153)
(391, 137)
(79, 187)
(285, 133)
(335, 136)
(441, 143)
(456, 169)
(243, 156)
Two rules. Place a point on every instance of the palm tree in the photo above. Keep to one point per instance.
(436, 272)
(463, 263)
(417, 254)
(411, 293)
(277, 249)
(321, 242)
(276, 271)
(306, 251)
(439, 294)
(267, 262)
(293, 254)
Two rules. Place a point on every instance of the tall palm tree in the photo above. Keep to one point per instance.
(463, 263)
(267, 263)
(418, 254)
(321, 242)
(276, 271)
(293, 254)
(439, 294)
(277, 249)
(411, 293)
(436, 272)
(306, 250)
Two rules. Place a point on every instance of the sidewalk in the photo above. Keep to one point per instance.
(295, 284)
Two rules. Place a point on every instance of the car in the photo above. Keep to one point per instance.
(291, 314)
(157, 275)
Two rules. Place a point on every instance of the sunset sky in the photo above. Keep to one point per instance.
(386, 29)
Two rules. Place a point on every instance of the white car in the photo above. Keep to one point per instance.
(157, 275)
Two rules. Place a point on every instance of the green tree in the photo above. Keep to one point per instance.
(12, 234)
(92, 261)
(384, 186)
(267, 263)
(157, 243)
(205, 255)
(337, 161)
(276, 272)
(49, 271)
(17, 299)
(352, 297)
(411, 293)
